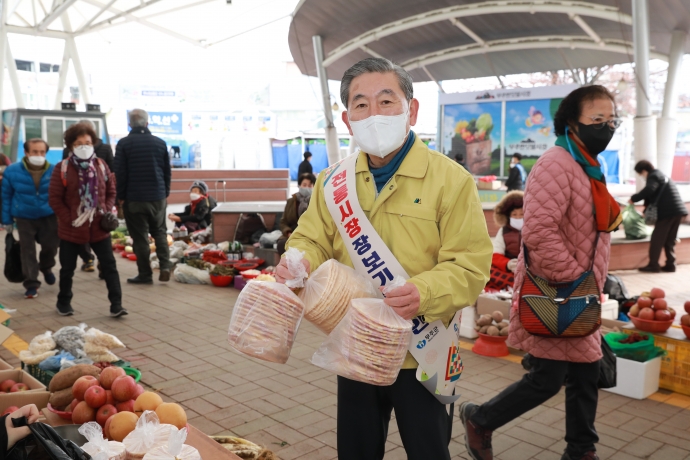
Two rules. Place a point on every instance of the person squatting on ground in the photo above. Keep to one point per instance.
(25, 201)
(508, 215)
(568, 217)
(104, 152)
(661, 191)
(142, 168)
(82, 190)
(425, 208)
(197, 214)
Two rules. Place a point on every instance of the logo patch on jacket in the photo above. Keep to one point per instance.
(418, 201)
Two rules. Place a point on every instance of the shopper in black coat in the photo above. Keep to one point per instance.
(305, 167)
(671, 210)
(142, 170)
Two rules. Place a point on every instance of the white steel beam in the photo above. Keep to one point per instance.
(103, 9)
(331, 133)
(587, 29)
(432, 78)
(21, 18)
(32, 31)
(581, 8)
(467, 31)
(513, 44)
(125, 13)
(62, 79)
(13, 8)
(57, 11)
(14, 78)
(366, 49)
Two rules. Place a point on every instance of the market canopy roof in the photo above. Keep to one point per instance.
(451, 39)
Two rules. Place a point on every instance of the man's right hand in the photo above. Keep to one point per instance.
(282, 272)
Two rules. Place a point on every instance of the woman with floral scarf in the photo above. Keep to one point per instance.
(82, 190)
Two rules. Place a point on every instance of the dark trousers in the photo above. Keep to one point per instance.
(364, 412)
(69, 252)
(664, 237)
(536, 387)
(43, 231)
(144, 217)
(85, 253)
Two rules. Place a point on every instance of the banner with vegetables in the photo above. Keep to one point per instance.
(474, 131)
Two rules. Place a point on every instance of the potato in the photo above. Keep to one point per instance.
(503, 324)
(484, 320)
(477, 327)
(484, 329)
(497, 316)
(61, 398)
(492, 330)
(65, 379)
(504, 332)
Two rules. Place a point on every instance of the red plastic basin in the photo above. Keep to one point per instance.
(651, 325)
(493, 346)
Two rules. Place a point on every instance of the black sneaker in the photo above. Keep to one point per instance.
(477, 439)
(668, 269)
(117, 313)
(649, 269)
(164, 276)
(50, 278)
(140, 280)
(64, 311)
(88, 266)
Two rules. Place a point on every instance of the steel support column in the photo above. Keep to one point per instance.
(3, 45)
(667, 125)
(332, 144)
(62, 79)
(14, 78)
(645, 122)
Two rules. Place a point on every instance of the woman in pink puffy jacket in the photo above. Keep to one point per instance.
(566, 204)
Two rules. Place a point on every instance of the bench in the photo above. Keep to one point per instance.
(232, 185)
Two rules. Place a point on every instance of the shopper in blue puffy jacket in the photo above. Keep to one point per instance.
(25, 202)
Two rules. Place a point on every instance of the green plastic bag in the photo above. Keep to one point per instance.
(633, 224)
(640, 351)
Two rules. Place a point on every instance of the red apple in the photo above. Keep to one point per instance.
(686, 306)
(139, 391)
(126, 406)
(9, 410)
(71, 407)
(82, 384)
(106, 428)
(123, 388)
(673, 312)
(657, 293)
(7, 385)
(109, 374)
(660, 304)
(95, 396)
(19, 387)
(109, 398)
(644, 302)
(83, 413)
(662, 315)
(685, 320)
(646, 313)
(104, 413)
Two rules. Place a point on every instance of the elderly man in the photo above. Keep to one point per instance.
(105, 153)
(142, 169)
(428, 226)
(25, 200)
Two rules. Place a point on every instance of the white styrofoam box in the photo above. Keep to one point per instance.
(609, 309)
(636, 380)
(467, 321)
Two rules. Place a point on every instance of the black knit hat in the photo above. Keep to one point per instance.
(201, 185)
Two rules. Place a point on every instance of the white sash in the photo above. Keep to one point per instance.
(371, 257)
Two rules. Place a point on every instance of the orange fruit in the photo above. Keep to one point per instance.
(121, 424)
(172, 414)
(148, 400)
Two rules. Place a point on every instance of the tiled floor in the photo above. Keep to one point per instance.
(176, 335)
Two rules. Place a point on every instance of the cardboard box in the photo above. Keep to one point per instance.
(22, 398)
(611, 323)
(487, 305)
(636, 380)
(493, 185)
(20, 376)
(5, 332)
(4, 365)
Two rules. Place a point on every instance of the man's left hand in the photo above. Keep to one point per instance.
(404, 300)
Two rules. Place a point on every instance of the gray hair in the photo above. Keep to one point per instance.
(88, 123)
(138, 118)
(380, 65)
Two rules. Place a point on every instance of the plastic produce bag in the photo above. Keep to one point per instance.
(147, 435)
(269, 239)
(99, 353)
(296, 268)
(97, 337)
(98, 447)
(13, 259)
(66, 363)
(190, 275)
(42, 343)
(43, 444)
(71, 338)
(265, 321)
(176, 449)
(53, 363)
(29, 358)
(328, 292)
(633, 224)
(369, 345)
(642, 351)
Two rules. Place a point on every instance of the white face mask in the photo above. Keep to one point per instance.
(512, 165)
(84, 152)
(194, 196)
(36, 160)
(381, 134)
(516, 223)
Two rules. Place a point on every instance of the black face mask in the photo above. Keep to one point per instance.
(594, 139)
